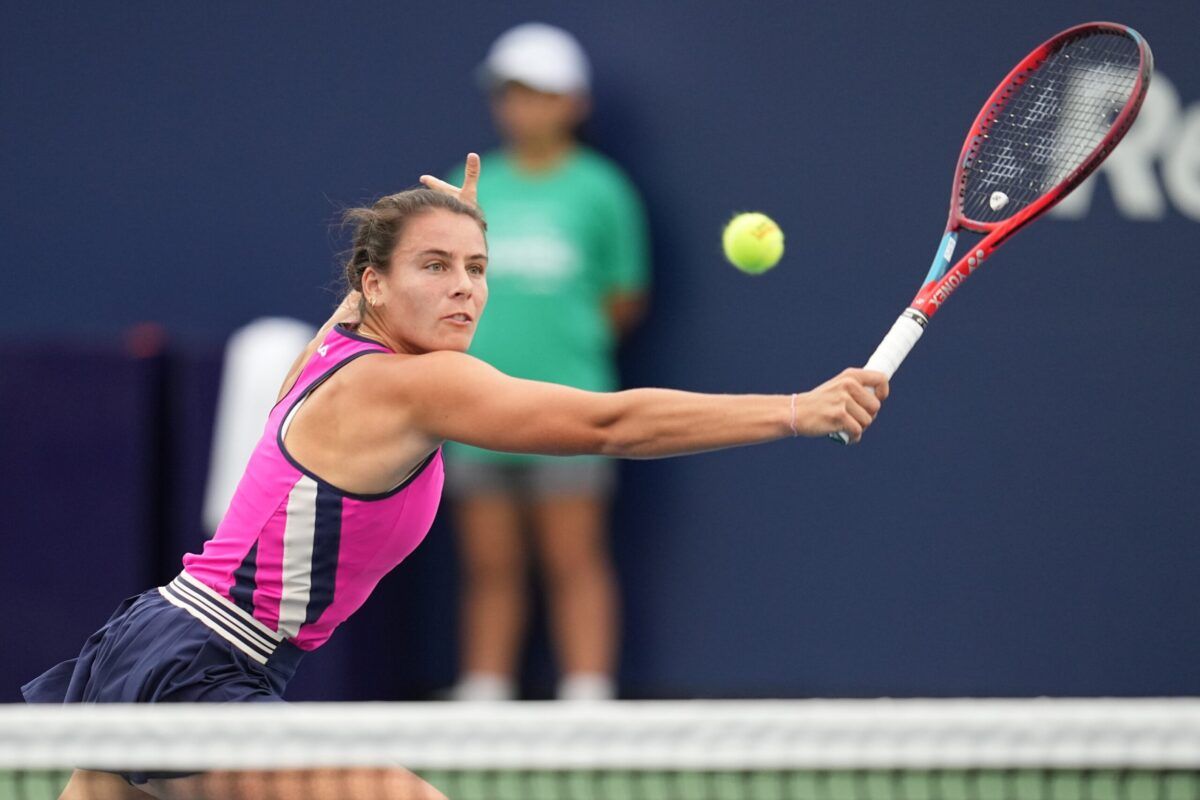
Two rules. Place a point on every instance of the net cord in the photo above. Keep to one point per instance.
(709, 735)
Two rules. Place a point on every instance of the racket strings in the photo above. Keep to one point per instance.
(1048, 123)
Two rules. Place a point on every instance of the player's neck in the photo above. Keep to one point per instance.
(368, 329)
(541, 155)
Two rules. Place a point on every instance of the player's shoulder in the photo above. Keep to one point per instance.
(397, 370)
(428, 380)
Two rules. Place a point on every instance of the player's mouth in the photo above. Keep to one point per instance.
(458, 319)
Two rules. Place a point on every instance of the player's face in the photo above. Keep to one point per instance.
(436, 286)
(527, 116)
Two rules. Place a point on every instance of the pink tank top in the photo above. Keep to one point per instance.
(295, 556)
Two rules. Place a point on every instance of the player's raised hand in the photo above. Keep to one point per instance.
(468, 192)
(847, 402)
(350, 310)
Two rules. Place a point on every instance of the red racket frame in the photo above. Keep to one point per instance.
(935, 292)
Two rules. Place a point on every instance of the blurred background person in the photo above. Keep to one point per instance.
(255, 363)
(569, 276)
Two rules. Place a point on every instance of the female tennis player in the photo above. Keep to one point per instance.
(347, 476)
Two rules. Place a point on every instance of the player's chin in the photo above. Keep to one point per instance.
(458, 340)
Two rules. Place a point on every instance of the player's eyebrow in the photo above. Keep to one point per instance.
(448, 254)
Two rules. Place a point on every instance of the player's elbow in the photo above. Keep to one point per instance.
(612, 442)
(617, 432)
(588, 423)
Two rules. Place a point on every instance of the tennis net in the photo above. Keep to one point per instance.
(1042, 749)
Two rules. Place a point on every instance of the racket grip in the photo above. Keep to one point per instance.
(892, 351)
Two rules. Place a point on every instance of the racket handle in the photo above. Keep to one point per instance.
(893, 350)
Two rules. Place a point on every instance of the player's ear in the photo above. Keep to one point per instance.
(372, 285)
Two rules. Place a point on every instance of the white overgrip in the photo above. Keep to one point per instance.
(896, 345)
(892, 352)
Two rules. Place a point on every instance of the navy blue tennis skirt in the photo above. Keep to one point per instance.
(150, 651)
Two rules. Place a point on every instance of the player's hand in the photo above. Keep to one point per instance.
(468, 192)
(350, 311)
(848, 402)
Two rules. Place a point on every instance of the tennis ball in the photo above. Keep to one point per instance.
(753, 242)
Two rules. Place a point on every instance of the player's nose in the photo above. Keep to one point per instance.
(462, 285)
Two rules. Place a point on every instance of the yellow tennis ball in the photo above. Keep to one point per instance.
(753, 242)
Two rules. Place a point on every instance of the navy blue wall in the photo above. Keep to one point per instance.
(1022, 520)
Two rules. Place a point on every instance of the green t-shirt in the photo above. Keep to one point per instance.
(559, 243)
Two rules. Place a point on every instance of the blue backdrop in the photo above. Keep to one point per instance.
(1022, 520)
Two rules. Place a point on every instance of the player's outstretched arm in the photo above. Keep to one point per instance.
(454, 396)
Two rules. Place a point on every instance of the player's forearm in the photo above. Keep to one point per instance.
(452, 396)
(654, 423)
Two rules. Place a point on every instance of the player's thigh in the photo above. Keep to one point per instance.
(86, 784)
(315, 784)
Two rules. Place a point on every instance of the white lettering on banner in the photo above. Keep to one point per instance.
(1166, 132)
(540, 261)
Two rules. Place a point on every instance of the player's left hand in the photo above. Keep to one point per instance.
(349, 312)
(468, 192)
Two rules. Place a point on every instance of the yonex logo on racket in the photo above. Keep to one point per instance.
(952, 282)
(955, 279)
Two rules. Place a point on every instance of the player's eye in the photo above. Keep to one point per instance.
(435, 266)
(475, 269)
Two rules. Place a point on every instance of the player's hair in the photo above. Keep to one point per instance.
(379, 227)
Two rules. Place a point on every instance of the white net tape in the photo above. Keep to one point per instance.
(708, 735)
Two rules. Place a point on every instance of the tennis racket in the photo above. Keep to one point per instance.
(1045, 128)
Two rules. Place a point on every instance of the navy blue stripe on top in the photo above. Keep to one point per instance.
(245, 581)
(327, 537)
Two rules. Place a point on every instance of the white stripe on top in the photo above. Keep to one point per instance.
(287, 421)
(298, 534)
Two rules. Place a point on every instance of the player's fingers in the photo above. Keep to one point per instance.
(851, 427)
(860, 414)
(877, 381)
(864, 396)
(439, 185)
(471, 178)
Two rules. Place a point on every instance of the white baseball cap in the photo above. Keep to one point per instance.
(540, 56)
